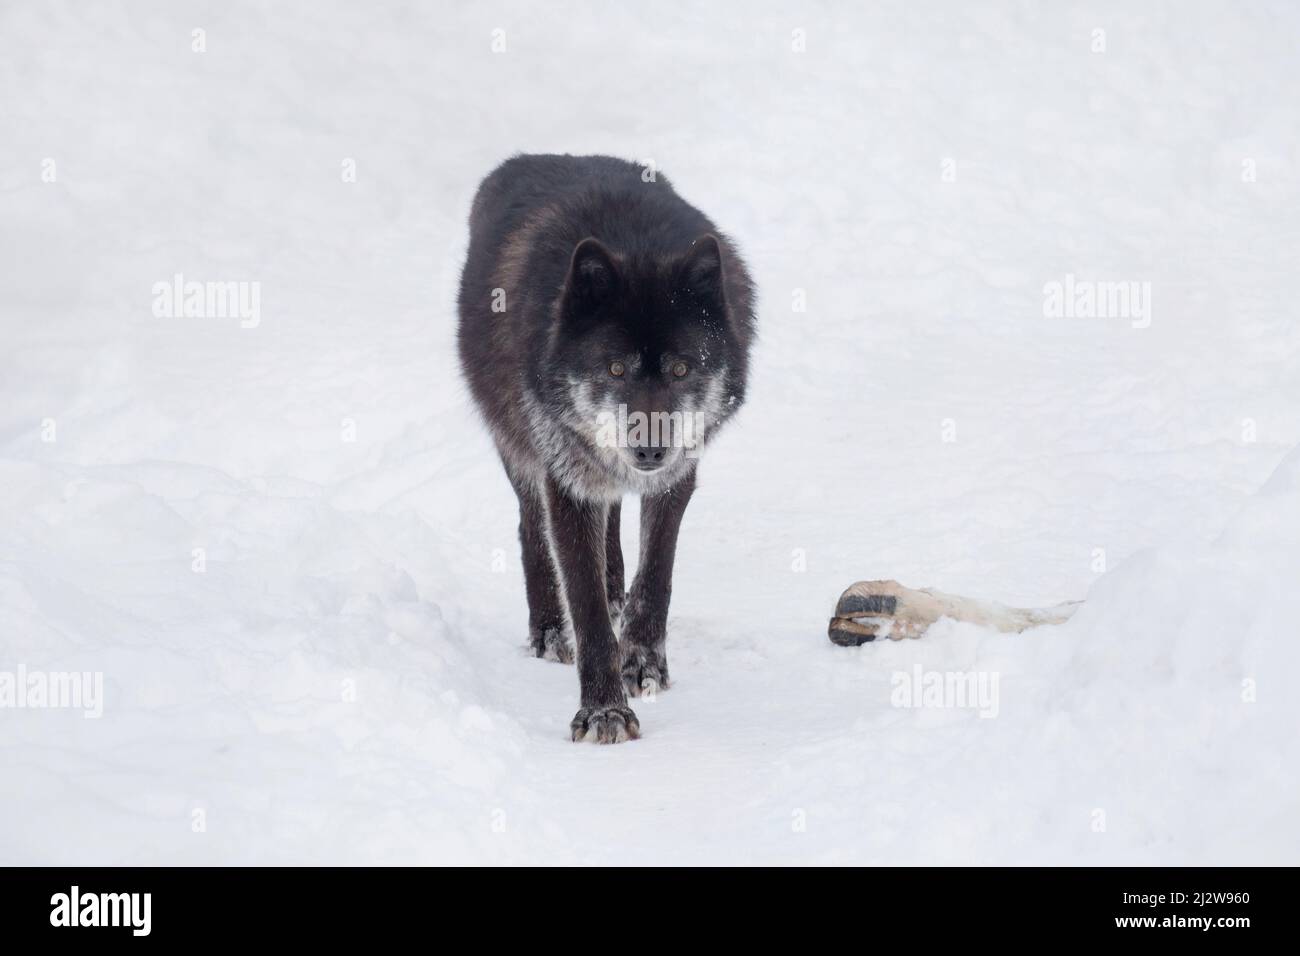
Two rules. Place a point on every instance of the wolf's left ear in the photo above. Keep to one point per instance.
(701, 271)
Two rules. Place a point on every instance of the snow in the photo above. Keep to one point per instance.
(344, 680)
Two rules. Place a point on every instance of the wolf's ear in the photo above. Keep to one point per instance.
(593, 278)
(701, 272)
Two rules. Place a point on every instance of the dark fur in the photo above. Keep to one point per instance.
(598, 265)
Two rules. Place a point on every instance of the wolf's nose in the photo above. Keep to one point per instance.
(649, 457)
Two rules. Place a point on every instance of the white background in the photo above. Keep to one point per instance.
(1157, 727)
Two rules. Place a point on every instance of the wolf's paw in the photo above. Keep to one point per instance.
(552, 643)
(645, 670)
(605, 725)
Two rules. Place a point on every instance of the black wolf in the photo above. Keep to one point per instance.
(594, 303)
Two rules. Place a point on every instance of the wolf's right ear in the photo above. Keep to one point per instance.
(593, 278)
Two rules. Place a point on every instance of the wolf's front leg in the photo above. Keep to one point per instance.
(578, 532)
(614, 593)
(548, 631)
(644, 654)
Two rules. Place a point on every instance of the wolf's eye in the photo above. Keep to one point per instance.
(617, 369)
(680, 369)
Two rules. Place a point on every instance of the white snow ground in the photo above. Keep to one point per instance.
(1159, 726)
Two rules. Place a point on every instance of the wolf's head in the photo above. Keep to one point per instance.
(644, 360)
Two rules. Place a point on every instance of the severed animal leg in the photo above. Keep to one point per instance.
(872, 609)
